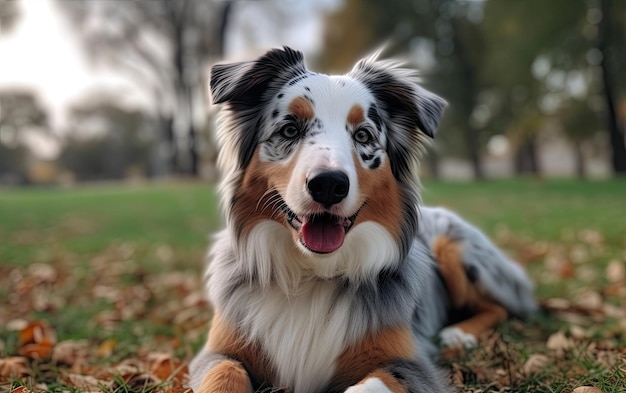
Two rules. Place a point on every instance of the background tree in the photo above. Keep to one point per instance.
(20, 111)
(533, 70)
(165, 46)
(612, 46)
(579, 121)
(107, 142)
(443, 37)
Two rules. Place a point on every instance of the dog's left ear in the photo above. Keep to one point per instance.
(246, 84)
(399, 95)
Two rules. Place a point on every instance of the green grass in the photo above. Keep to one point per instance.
(125, 258)
(88, 219)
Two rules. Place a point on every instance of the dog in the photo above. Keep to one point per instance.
(329, 276)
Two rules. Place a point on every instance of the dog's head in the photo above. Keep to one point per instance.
(322, 155)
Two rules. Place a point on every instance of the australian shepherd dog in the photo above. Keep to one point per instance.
(329, 275)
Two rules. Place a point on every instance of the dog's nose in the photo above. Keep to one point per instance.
(329, 187)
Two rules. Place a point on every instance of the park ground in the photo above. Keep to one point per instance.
(100, 286)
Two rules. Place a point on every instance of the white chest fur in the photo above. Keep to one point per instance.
(302, 334)
(303, 323)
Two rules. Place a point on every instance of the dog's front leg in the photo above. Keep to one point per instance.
(215, 373)
(227, 376)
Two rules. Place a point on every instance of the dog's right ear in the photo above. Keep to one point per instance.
(246, 84)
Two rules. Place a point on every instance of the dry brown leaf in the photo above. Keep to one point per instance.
(558, 342)
(87, 383)
(578, 332)
(164, 366)
(615, 271)
(589, 299)
(13, 367)
(586, 389)
(70, 352)
(591, 237)
(535, 363)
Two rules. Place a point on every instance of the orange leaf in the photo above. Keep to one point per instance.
(36, 350)
(163, 366)
(37, 332)
(106, 348)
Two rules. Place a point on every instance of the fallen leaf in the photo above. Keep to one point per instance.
(86, 383)
(164, 366)
(590, 300)
(578, 332)
(70, 352)
(37, 332)
(36, 350)
(13, 367)
(586, 389)
(106, 348)
(615, 271)
(535, 363)
(558, 342)
(36, 340)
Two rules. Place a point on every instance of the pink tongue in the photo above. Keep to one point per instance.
(322, 236)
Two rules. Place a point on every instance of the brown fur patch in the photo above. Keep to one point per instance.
(252, 201)
(225, 340)
(389, 380)
(371, 353)
(488, 314)
(463, 293)
(226, 377)
(380, 191)
(448, 255)
(356, 115)
(302, 108)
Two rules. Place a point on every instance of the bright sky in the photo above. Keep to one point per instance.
(42, 54)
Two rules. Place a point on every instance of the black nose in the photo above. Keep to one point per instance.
(329, 187)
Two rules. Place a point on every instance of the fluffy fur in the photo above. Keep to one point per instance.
(328, 277)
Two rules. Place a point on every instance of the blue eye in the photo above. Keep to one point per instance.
(289, 131)
(363, 135)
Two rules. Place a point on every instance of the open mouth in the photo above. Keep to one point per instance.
(322, 233)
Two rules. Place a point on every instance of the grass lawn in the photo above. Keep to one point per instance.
(100, 286)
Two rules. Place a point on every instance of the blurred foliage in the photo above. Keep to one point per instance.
(506, 67)
(164, 46)
(107, 142)
(522, 70)
(19, 110)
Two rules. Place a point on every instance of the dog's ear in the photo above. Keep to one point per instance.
(409, 111)
(246, 84)
(244, 88)
(399, 95)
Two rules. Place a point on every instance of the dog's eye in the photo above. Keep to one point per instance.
(363, 135)
(289, 131)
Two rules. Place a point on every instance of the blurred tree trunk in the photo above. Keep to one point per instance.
(616, 135)
(526, 160)
(469, 92)
(579, 158)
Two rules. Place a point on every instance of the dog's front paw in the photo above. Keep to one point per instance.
(370, 385)
(454, 337)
